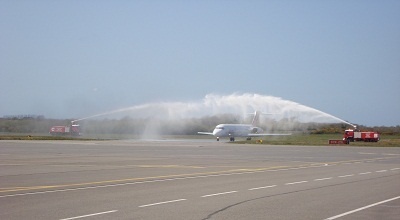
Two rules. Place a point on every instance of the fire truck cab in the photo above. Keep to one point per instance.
(357, 135)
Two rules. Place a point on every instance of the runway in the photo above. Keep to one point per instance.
(196, 179)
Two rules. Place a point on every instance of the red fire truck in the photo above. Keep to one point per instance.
(351, 135)
(72, 130)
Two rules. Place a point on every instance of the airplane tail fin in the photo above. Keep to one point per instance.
(256, 118)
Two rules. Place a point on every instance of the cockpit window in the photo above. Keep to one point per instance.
(220, 127)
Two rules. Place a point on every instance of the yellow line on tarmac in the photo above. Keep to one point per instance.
(12, 164)
(15, 189)
(167, 166)
(361, 160)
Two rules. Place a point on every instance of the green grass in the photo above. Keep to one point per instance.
(298, 139)
(323, 140)
(18, 137)
(41, 137)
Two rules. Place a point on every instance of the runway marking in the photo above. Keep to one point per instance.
(256, 188)
(362, 208)
(381, 171)
(206, 174)
(367, 153)
(327, 178)
(12, 188)
(218, 194)
(154, 179)
(167, 166)
(89, 215)
(296, 182)
(346, 176)
(362, 160)
(160, 203)
(262, 187)
(12, 164)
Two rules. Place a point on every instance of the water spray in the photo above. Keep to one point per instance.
(236, 104)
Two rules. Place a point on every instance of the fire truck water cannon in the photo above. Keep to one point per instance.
(71, 130)
(351, 135)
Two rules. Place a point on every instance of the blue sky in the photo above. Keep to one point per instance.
(71, 59)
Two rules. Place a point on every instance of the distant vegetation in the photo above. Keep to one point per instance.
(29, 125)
(37, 128)
(189, 126)
(322, 140)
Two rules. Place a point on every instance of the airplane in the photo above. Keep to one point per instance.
(239, 130)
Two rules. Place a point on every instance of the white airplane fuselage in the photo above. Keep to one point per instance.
(235, 130)
(239, 130)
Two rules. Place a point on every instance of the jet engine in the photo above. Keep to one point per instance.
(256, 130)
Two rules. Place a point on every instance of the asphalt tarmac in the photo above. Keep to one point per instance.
(196, 179)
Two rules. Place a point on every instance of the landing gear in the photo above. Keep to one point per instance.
(232, 139)
(217, 138)
(249, 138)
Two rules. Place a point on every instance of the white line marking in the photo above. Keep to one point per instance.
(328, 178)
(153, 181)
(395, 169)
(362, 208)
(364, 173)
(263, 187)
(12, 164)
(84, 216)
(296, 183)
(381, 171)
(346, 176)
(138, 182)
(160, 203)
(217, 194)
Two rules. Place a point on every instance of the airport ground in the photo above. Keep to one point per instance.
(392, 140)
(196, 179)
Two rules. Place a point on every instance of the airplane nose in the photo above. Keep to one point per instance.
(215, 132)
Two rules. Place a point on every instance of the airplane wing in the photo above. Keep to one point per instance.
(259, 135)
(208, 133)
